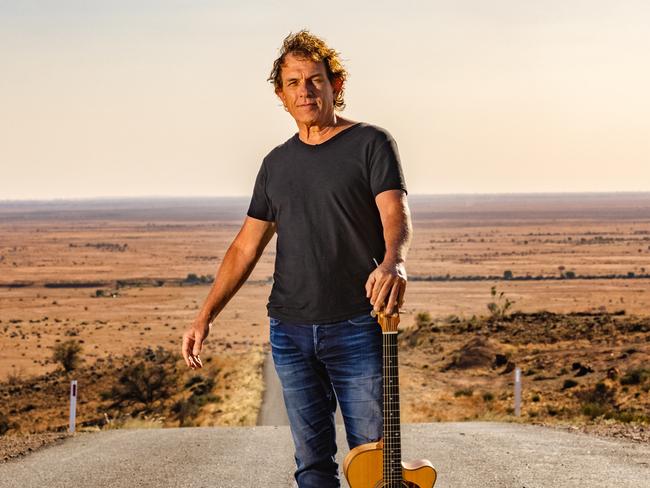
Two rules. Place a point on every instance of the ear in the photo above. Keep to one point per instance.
(280, 95)
(337, 85)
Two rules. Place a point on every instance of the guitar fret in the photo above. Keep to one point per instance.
(392, 438)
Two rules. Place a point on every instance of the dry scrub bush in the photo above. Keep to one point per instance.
(5, 424)
(187, 409)
(423, 319)
(15, 377)
(68, 354)
(601, 401)
(150, 377)
(501, 304)
(636, 376)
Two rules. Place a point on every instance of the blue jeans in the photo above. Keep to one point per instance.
(318, 364)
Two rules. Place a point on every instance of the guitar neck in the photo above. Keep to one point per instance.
(392, 436)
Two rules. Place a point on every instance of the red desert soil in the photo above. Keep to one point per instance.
(118, 277)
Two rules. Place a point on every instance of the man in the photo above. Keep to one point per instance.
(335, 194)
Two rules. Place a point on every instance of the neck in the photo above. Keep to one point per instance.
(320, 131)
(392, 443)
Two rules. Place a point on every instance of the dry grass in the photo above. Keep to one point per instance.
(539, 237)
(242, 390)
(450, 370)
(139, 422)
(226, 392)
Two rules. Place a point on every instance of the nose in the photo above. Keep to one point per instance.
(305, 89)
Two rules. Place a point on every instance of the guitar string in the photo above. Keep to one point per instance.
(386, 474)
(392, 462)
(387, 410)
(394, 422)
(394, 408)
(390, 426)
(388, 477)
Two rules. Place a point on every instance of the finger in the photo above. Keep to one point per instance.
(381, 297)
(186, 348)
(394, 292)
(380, 279)
(198, 342)
(402, 290)
(369, 283)
(376, 288)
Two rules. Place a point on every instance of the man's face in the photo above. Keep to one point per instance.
(306, 90)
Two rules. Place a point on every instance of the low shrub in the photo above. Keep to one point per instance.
(423, 319)
(68, 354)
(635, 376)
(152, 376)
(464, 392)
(5, 425)
(569, 384)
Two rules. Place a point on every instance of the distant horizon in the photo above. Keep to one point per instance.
(203, 197)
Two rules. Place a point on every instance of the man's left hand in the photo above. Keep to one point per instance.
(387, 281)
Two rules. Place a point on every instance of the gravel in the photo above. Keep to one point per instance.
(616, 430)
(18, 445)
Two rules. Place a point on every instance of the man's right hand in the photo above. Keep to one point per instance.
(193, 339)
(237, 264)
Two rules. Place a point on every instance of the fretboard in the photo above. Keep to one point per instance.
(392, 436)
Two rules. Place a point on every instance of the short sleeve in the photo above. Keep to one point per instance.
(386, 169)
(260, 206)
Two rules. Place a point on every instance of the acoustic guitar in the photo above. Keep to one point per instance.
(379, 464)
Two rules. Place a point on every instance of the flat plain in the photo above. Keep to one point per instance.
(118, 275)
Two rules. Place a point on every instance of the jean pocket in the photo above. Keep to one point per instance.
(365, 319)
(273, 321)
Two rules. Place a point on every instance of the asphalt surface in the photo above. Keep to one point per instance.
(466, 455)
(273, 411)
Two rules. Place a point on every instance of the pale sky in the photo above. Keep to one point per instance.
(166, 98)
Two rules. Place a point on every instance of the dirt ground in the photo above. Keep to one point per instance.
(118, 276)
(573, 367)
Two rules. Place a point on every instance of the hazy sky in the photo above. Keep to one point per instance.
(134, 98)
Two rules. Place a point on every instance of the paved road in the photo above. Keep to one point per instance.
(467, 455)
(273, 411)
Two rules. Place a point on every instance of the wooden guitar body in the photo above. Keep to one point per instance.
(363, 465)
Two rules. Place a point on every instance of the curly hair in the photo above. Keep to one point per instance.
(305, 44)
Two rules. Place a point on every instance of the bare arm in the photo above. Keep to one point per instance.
(388, 281)
(237, 265)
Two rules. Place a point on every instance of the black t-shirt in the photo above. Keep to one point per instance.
(321, 198)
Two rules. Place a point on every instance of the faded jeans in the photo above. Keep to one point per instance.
(318, 364)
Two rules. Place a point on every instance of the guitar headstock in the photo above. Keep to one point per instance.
(388, 322)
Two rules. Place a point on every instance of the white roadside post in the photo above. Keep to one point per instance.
(517, 392)
(73, 404)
